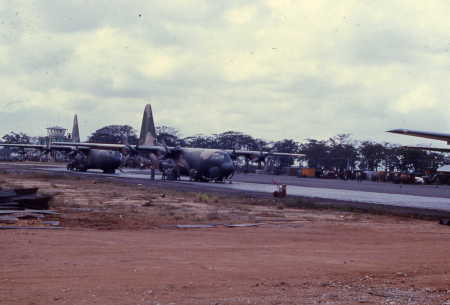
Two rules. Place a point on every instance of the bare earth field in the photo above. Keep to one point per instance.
(120, 245)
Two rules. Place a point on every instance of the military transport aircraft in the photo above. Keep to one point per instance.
(200, 164)
(425, 134)
(82, 158)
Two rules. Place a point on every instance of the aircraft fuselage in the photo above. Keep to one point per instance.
(106, 160)
(205, 164)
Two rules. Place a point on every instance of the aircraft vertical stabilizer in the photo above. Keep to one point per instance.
(148, 131)
(75, 130)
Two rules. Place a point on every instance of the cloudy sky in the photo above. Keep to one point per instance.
(271, 68)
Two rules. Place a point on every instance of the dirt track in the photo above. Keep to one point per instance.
(293, 257)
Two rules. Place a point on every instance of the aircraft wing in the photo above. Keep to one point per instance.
(38, 146)
(259, 154)
(286, 154)
(423, 134)
(91, 145)
(429, 148)
(118, 147)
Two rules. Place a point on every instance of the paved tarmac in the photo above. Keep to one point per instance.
(389, 194)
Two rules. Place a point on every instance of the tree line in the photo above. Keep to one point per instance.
(338, 153)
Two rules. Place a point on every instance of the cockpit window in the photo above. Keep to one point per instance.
(221, 156)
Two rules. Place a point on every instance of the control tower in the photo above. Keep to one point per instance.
(56, 134)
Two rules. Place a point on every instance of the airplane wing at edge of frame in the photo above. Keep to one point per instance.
(264, 153)
(422, 134)
(38, 146)
(428, 148)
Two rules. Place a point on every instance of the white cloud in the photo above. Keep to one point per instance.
(241, 15)
(419, 99)
(272, 68)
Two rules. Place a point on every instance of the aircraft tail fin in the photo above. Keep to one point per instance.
(148, 131)
(75, 130)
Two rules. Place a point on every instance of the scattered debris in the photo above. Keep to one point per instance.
(28, 228)
(207, 226)
(47, 212)
(25, 208)
(28, 215)
(195, 226)
(51, 222)
(242, 225)
(24, 198)
(8, 219)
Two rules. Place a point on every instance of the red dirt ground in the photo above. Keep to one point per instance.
(312, 257)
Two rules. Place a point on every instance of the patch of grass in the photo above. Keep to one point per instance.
(206, 198)
(302, 203)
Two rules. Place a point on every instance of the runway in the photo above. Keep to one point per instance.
(370, 193)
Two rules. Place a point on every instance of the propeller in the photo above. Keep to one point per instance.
(262, 156)
(179, 158)
(175, 154)
(155, 160)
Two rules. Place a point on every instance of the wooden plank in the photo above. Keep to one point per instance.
(6, 196)
(242, 225)
(26, 191)
(28, 228)
(34, 202)
(48, 212)
(51, 222)
(25, 215)
(11, 207)
(8, 219)
(12, 203)
(7, 193)
(195, 226)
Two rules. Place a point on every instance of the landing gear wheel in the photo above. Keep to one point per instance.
(193, 175)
